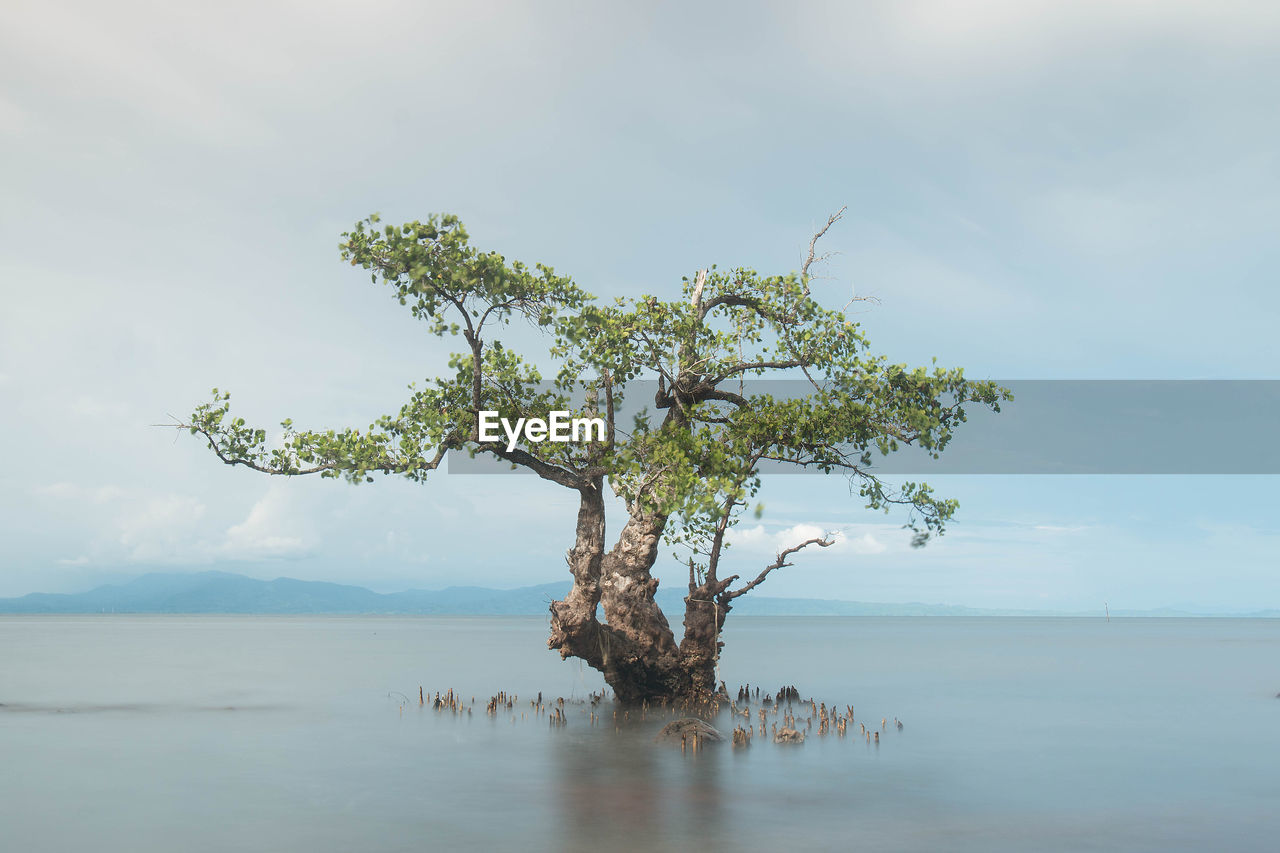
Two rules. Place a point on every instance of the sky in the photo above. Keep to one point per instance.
(1035, 190)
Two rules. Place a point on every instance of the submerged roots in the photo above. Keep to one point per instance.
(782, 716)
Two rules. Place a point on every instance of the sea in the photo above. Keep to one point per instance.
(245, 733)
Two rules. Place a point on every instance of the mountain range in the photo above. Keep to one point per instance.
(224, 592)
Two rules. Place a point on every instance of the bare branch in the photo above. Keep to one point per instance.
(874, 300)
(699, 282)
(779, 563)
(813, 243)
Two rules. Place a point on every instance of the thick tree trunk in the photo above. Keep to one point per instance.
(645, 666)
(574, 628)
(634, 648)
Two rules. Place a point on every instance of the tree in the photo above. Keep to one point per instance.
(685, 471)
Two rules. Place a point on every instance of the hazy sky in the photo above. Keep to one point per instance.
(1035, 189)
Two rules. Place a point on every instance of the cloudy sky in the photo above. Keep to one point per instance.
(1036, 189)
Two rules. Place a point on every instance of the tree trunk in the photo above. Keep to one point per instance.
(645, 666)
(574, 629)
(704, 615)
(634, 648)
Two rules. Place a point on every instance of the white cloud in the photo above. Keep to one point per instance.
(162, 529)
(864, 544)
(798, 533)
(758, 538)
(273, 529)
(749, 536)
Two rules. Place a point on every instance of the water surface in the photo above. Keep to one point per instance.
(126, 733)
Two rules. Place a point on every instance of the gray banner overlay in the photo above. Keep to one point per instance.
(1066, 426)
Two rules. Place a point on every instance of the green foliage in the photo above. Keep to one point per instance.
(695, 458)
(434, 271)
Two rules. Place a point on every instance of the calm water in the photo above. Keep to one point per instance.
(122, 733)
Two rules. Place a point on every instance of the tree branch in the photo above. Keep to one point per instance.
(717, 539)
(735, 300)
(387, 467)
(700, 281)
(813, 242)
(744, 367)
(564, 476)
(779, 563)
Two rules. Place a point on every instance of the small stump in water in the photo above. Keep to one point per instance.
(788, 735)
(686, 731)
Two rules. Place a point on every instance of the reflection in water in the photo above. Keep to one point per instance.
(622, 790)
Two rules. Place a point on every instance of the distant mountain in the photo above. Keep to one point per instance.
(224, 592)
